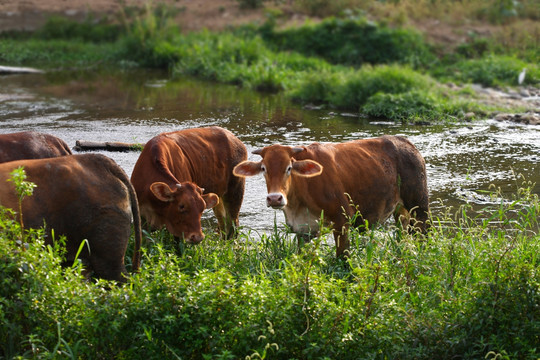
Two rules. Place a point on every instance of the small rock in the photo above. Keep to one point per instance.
(469, 116)
(530, 118)
(503, 117)
(524, 93)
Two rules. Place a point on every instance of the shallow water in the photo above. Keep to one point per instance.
(133, 106)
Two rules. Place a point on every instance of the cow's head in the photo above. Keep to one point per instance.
(182, 208)
(277, 165)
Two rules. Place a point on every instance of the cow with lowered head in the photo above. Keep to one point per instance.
(376, 177)
(180, 174)
(31, 145)
(82, 197)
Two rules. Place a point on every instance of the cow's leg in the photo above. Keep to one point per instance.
(232, 202)
(402, 216)
(108, 245)
(224, 221)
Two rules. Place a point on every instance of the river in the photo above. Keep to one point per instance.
(463, 160)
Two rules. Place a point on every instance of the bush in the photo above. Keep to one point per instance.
(493, 71)
(469, 289)
(351, 89)
(354, 42)
(58, 27)
(416, 105)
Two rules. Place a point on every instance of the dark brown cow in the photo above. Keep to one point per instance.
(31, 145)
(84, 196)
(173, 171)
(377, 177)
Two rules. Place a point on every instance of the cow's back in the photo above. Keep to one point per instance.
(367, 173)
(204, 156)
(84, 196)
(201, 158)
(31, 145)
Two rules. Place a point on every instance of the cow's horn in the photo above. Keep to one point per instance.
(296, 150)
(257, 151)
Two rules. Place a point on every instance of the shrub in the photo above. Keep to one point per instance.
(493, 71)
(468, 289)
(351, 89)
(354, 42)
(58, 27)
(416, 105)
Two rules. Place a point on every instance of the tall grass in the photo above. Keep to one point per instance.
(470, 289)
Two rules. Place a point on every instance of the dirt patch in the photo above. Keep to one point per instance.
(193, 14)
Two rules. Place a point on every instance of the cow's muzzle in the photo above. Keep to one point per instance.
(194, 238)
(276, 200)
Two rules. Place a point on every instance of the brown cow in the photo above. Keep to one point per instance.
(376, 177)
(173, 171)
(84, 196)
(31, 145)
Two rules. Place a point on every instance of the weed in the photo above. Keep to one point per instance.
(23, 188)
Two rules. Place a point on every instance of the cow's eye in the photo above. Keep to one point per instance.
(289, 169)
(263, 168)
(182, 207)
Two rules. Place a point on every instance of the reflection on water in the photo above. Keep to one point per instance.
(134, 106)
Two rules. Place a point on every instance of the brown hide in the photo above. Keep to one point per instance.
(82, 197)
(31, 145)
(380, 176)
(173, 168)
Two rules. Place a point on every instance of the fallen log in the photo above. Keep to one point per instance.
(19, 70)
(83, 145)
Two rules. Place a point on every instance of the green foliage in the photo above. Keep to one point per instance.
(250, 4)
(416, 105)
(493, 71)
(261, 59)
(148, 36)
(246, 62)
(58, 27)
(469, 289)
(55, 53)
(23, 188)
(392, 92)
(354, 42)
(323, 8)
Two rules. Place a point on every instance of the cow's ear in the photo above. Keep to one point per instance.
(162, 191)
(307, 168)
(247, 168)
(211, 200)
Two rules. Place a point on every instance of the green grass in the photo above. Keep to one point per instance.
(51, 54)
(470, 289)
(347, 64)
(492, 71)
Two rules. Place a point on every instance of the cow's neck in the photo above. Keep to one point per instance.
(298, 216)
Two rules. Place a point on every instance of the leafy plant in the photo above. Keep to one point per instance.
(23, 188)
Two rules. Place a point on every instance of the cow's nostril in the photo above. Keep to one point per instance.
(194, 238)
(276, 200)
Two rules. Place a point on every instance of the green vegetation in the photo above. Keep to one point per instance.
(353, 42)
(470, 289)
(493, 71)
(347, 64)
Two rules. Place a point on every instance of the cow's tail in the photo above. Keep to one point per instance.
(122, 176)
(65, 147)
(136, 259)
